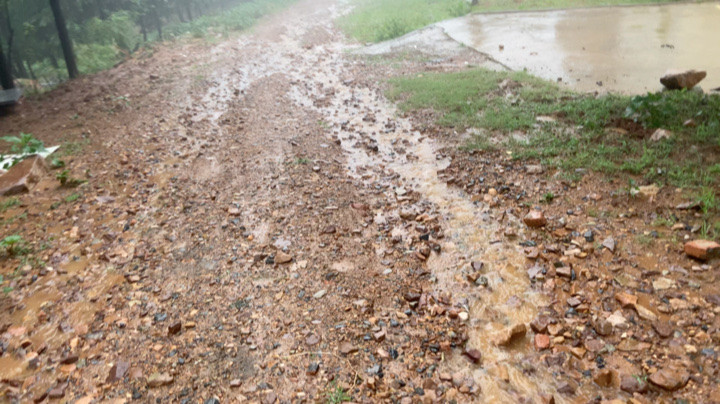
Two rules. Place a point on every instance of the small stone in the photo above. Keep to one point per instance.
(542, 341)
(57, 392)
(379, 336)
(566, 388)
(603, 327)
(235, 383)
(663, 328)
(670, 378)
(117, 372)
(174, 328)
(626, 300)
(510, 334)
(473, 355)
(159, 380)
(312, 339)
(609, 243)
(319, 294)
(313, 368)
(282, 257)
(660, 134)
(663, 284)
(604, 377)
(540, 324)
(347, 348)
(632, 384)
(702, 249)
(535, 218)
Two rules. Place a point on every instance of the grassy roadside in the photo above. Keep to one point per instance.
(537, 120)
(380, 20)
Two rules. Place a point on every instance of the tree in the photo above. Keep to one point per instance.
(6, 79)
(65, 41)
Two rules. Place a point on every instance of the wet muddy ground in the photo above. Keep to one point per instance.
(608, 49)
(259, 224)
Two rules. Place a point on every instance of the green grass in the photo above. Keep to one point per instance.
(8, 203)
(582, 134)
(334, 394)
(380, 20)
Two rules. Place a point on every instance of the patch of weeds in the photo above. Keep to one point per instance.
(663, 222)
(55, 205)
(8, 203)
(547, 198)
(708, 200)
(72, 198)
(645, 239)
(334, 394)
(14, 245)
(301, 160)
(73, 147)
(324, 124)
(67, 181)
(608, 133)
(56, 163)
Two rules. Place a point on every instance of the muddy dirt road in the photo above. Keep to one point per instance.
(260, 225)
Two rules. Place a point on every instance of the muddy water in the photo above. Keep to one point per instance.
(618, 49)
(472, 231)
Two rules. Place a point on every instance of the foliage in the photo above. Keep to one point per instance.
(609, 133)
(104, 32)
(8, 203)
(13, 245)
(23, 145)
(334, 394)
(380, 20)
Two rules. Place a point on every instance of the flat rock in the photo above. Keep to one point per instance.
(542, 341)
(22, 176)
(702, 249)
(117, 372)
(633, 384)
(347, 348)
(159, 380)
(670, 378)
(626, 300)
(682, 79)
(283, 258)
(507, 336)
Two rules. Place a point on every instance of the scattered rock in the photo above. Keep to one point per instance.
(632, 384)
(117, 372)
(609, 243)
(542, 341)
(507, 336)
(660, 134)
(282, 257)
(347, 348)
(682, 79)
(702, 249)
(21, 177)
(159, 380)
(604, 378)
(670, 378)
(174, 328)
(535, 218)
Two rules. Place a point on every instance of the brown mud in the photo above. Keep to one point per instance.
(258, 224)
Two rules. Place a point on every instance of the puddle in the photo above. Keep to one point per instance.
(628, 49)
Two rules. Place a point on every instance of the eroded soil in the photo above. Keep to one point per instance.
(260, 225)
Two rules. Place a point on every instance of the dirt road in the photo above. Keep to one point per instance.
(259, 224)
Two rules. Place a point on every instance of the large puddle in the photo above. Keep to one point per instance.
(618, 49)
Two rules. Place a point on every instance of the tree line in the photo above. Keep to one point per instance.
(42, 38)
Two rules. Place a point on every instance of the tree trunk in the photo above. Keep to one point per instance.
(100, 10)
(180, 15)
(158, 23)
(19, 68)
(6, 79)
(65, 41)
(28, 65)
(143, 29)
(189, 11)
